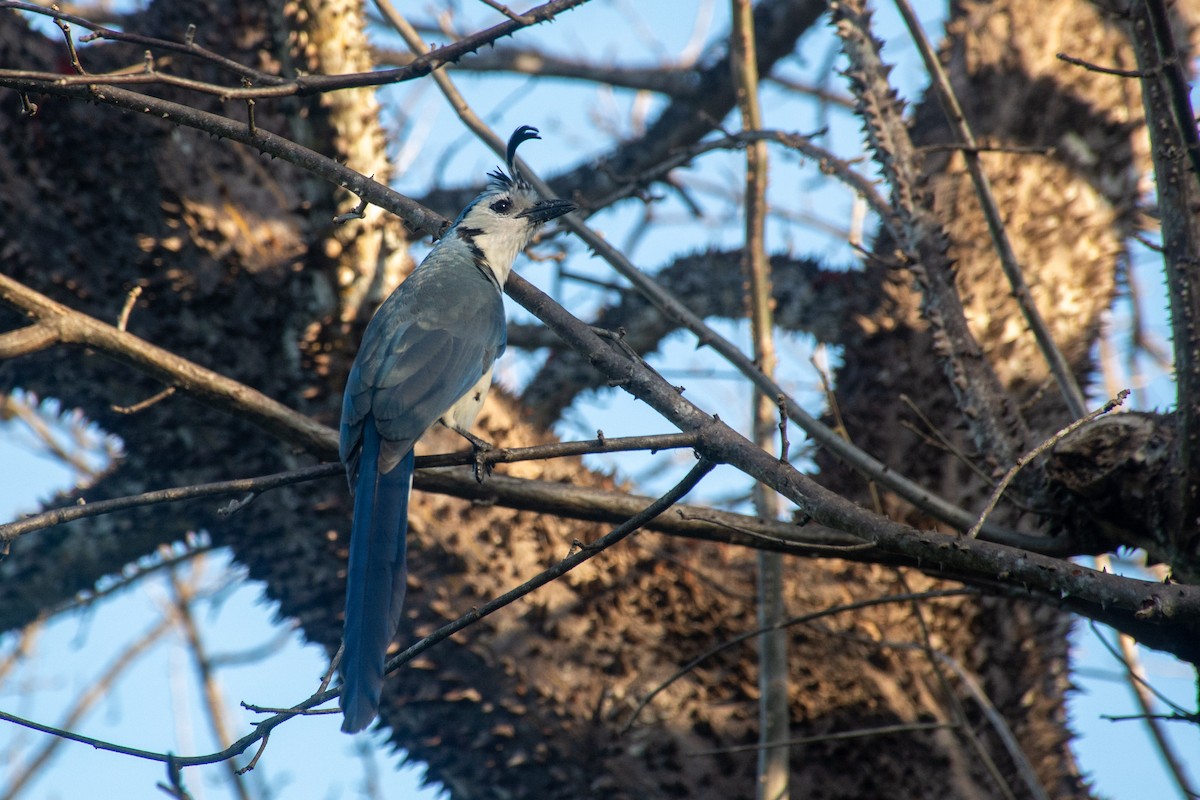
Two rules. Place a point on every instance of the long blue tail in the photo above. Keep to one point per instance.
(376, 580)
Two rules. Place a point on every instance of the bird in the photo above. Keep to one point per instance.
(426, 357)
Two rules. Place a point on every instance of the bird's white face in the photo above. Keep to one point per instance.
(498, 226)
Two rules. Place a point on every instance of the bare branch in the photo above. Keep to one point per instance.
(73, 327)
(262, 730)
(256, 486)
(997, 425)
(991, 212)
(999, 725)
(269, 85)
(859, 733)
(88, 698)
(678, 82)
(681, 124)
(1037, 451)
(1090, 67)
(798, 620)
(1144, 695)
(182, 596)
(773, 713)
(1141, 600)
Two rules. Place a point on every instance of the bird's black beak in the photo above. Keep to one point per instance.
(546, 210)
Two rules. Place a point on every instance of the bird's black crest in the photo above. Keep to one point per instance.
(521, 134)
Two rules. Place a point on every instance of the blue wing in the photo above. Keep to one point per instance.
(428, 344)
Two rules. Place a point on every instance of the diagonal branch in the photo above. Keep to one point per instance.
(681, 124)
(677, 81)
(272, 85)
(75, 328)
(1139, 600)
(991, 213)
(997, 426)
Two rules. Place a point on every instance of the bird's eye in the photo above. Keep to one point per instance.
(502, 206)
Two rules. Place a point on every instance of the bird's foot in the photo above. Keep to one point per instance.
(480, 448)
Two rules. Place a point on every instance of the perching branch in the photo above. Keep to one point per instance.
(262, 730)
(255, 486)
(1139, 600)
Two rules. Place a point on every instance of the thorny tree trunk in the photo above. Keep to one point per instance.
(241, 272)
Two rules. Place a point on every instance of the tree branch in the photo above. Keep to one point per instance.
(262, 730)
(1178, 199)
(1138, 600)
(270, 85)
(998, 428)
(75, 328)
(991, 214)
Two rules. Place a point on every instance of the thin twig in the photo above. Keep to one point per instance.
(98, 689)
(1037, 451)
(142, 405)
(11, 406)
(841, 736)
(958, 712)
(182, 597)
(831, 403)
(506, 11)
(999, 725)
(1090, 67)
(72, 53)
(798, 620)
(358, 212)
(74, 327)
(1116, 654)
(256, 486)
(941, 439)
(127, 308)
(265, 84)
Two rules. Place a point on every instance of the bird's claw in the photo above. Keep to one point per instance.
(479, 449)
(483, 465)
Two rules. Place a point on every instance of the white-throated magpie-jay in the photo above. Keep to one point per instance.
(425, 357)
